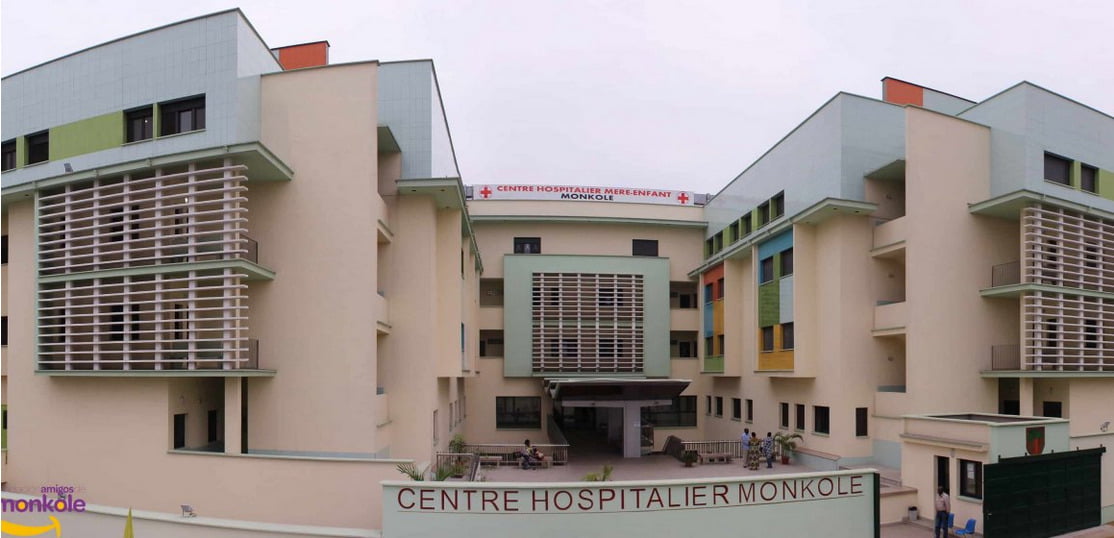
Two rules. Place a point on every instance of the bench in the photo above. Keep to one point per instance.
(491, 460)
(714, 457)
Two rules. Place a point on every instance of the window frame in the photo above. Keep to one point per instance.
(766, 270)
(708, 401)
(719, 406)
(520, 244)
(975, 483)
(170, 115)
(8, 150)
(749, 410)
(1058, 160)
(799, 422)
(777, 205)
(767, 343)
(787, 343)
(510, 405)
(1086, 170)
(783, 412)
(817, 422)
(862, 422)
(680, 413)
(736, 409)
(148, 129)
(35, 142)
(644, 247)
(786, 259)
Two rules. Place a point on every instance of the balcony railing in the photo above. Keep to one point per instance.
(1005, 357)
(1005, 274)
(507, 453)
(713, 364)
(252, 247)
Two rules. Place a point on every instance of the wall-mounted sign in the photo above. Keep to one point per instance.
(1034, 440)
(835, 504)
(629, 195)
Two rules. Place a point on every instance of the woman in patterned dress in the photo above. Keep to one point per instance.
(754, 455)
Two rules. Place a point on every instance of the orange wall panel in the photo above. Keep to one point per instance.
(305, 55)
(902, 93)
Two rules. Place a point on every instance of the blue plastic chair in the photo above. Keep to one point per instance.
(951, 521)
(968, 530)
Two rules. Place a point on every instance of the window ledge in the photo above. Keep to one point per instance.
(183, 133)
(971, 500)
(1065, 185)
(821, 434)
(134, 142)
(736, 419)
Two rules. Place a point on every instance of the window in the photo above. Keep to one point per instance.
(766, 270)
(1052, 409)
(7, 155)
(750, 410)
(140, 124)
(720, 349)
(527, 245)
(719, 406)
(777, 204)
(786, 262)
(709, 293)
(1051, 327)
(134, 322)
(644, 247)
(1087, 178)
(748, 225)
(708, 401)
(786, 336)
(116, 231)
(213, 421)
(800, 425)
(180, 430)
(680, 413)
(1057, 169)
(607, 347)
(518, 412)
(719, 289)
(4, 331)
(179, 317)
(860, 422)
(1090, 256)
(606, 297)
(970, 479)
(717, 242)
(709, 351)
(708, 247)
(435, 429)
(767, 338)
(783, 414)
(182, 116)
(4, 249)
(38, 147)
(685, 349)
(820, 415)
(736, 409)
(1090, 333)
(763, 214)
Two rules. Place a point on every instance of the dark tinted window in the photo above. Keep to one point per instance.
(766, 270)
(7, 155)
(767, 338)
(140, 124)
(820, 418)
(1057, 169)
(783, 412)
(778, 205)
(182, 116)
(800, 417)
(644, 247)
(38, 147)
(736, 408)
(787, 336)
(860, 422)
(518, 412)
(1088, 178)
(681, 412)
(787, 262)
(527, 245)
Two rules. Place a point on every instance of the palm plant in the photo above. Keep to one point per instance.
(787, 442)
(412, 471)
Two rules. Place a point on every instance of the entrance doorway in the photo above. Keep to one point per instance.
(942, 476)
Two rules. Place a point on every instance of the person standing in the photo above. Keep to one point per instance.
(753, 453)
(943, 508)
(768, 450)
(746, 445)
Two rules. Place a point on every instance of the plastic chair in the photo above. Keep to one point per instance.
(951, 521)
(968, 530)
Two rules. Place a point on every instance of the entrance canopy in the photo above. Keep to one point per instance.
(614, 389)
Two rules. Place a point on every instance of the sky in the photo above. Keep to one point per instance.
(665, 94)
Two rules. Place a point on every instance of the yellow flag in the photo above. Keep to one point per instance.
(128, 532)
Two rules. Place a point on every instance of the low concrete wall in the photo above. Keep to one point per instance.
(99, 520)
(894, 506)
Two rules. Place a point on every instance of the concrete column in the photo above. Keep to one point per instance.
(233, 401)
(614, 423)
(632, 430)
(1025, 395)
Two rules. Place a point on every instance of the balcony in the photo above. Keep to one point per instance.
(713, 365)
(1005, 357)
(382, 314)
(778, 361)
(684, 319)
(1005, 281)
(188, 358)
(890, 318)
(889, 238)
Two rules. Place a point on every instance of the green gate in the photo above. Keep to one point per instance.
(1042, 495)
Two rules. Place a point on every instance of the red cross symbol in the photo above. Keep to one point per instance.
(684, 198)
(485, 192)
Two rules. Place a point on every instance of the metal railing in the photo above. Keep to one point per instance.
(556, 436)
(558, 454)
(1005, 357)
(734, 448)
(1005, 274)
(466, 463)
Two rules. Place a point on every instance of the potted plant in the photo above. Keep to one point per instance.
(787, 443)
(689, 457)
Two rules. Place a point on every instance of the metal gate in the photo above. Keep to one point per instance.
(1042, 495)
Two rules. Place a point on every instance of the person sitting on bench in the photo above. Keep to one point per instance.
(528, 456)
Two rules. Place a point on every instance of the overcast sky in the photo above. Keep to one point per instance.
(671, 94)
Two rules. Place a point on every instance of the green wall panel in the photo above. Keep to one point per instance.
(1106, 184)
(518, 271)
(87, 136)
(769, 303)
(21, 151)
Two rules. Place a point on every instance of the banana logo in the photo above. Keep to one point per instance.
(15, 529)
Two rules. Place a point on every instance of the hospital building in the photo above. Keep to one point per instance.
(246, 279)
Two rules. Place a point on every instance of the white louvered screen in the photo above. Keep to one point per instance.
(587, 323)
